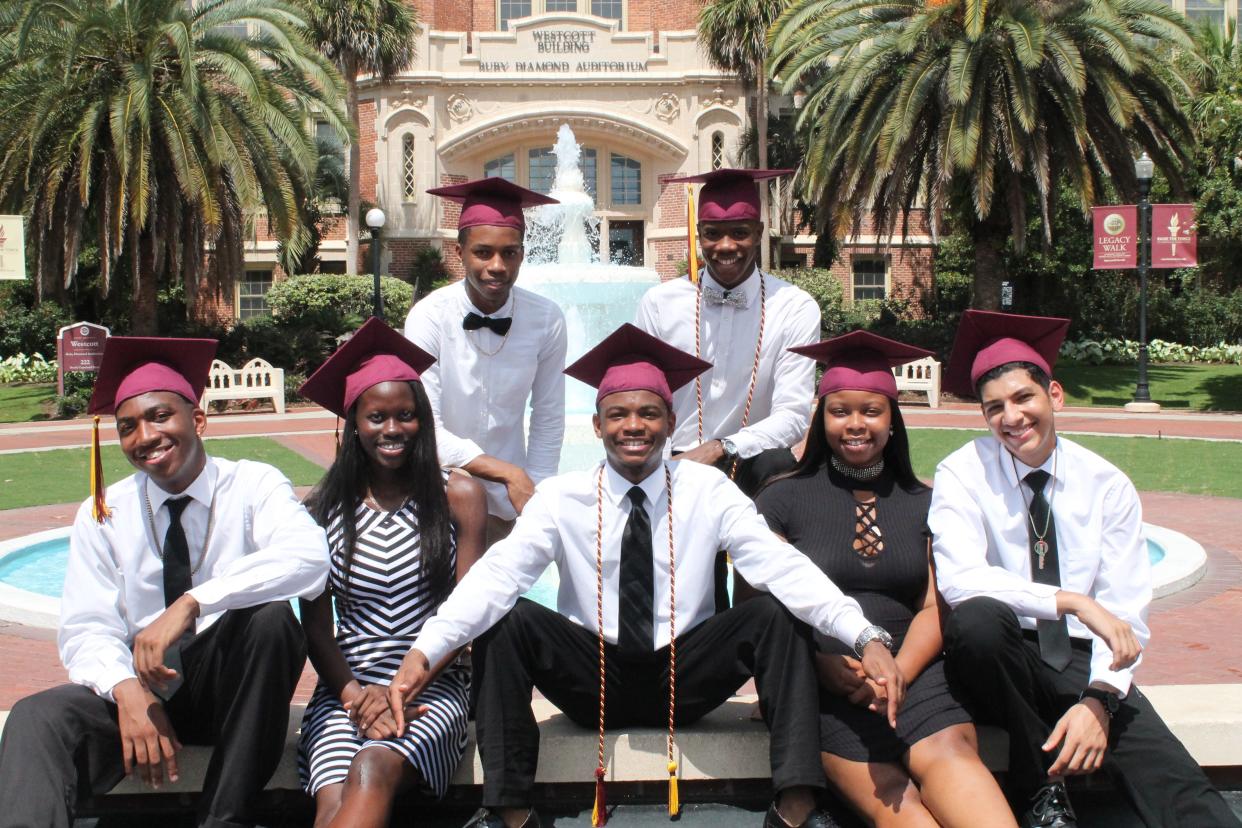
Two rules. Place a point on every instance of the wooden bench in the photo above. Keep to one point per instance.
(257, 379)
(920, 375)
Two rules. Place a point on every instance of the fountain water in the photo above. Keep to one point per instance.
(562, 264)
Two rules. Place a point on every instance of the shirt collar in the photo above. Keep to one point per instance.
(618, 487)
(469, 307)
(745, 288)
(1016, 471)
(200, 490)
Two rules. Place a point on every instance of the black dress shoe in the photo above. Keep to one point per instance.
(487, 818)
(1050, 808)
(818, 818)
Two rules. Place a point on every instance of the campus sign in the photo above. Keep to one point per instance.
(79, 347)
(12, 248)
(1115, 236)
(1174, 241)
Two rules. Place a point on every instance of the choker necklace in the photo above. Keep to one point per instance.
(866, 473)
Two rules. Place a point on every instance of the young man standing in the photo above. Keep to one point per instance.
(618, 535)
(497, 346)
(758, 395)
(1039, 549)
(175, 619)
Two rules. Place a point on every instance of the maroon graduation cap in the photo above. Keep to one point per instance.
(374, 354)
(630, 359)
(860, 361)
(492, 201)
(730, 194)
(133, 365)
(987, 339)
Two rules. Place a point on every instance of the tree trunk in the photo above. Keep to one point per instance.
(989, 238)
(354, 200)
(761, 135)
(142, 320)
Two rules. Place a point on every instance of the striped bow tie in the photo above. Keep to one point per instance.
(736, 298)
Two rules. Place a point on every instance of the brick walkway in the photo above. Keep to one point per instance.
(1192, 631)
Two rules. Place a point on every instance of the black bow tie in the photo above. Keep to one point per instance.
(500, 327)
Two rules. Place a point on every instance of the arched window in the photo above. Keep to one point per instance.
(627, 177)
(408, 183)
(503, 167)
(717, 150)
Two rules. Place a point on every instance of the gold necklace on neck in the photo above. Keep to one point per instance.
(1040, 546)
(503, 339)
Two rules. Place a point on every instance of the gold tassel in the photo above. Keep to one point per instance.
(692, 236)
(99, 508)
(599, 814)
(674, 801)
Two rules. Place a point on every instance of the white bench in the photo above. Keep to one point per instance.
(920, 375)
(257, 379)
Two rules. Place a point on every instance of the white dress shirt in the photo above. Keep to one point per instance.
(481, 383)
(785, 385)
(979, 515)
(264, 546)
(709, 513)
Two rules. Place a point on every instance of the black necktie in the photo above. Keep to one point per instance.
(1054, 643)
(177, 579)
(636, 636)
(473, 322)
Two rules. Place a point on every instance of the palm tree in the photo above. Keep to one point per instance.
(976, 105)
(160, 125)
(373, 37)
(734, 36)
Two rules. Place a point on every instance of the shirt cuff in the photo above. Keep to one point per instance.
(747, 445)
(1040, 602)
(433, 647)
(1101, 658)
(461, 454)
(110, 679)
(848, 628)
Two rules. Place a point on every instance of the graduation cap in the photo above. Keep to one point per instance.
(492, 201)
(987, 339)
(374, 354)
(729, 194)
(860, 361)
(134, 365)
(630, 359)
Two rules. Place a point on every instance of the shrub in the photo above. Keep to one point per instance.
(28, 327)
(1125, 351)
(78, 386)
(22, 368)
(340, 303)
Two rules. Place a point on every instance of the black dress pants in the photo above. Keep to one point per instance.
(240, 673)
(536, 647)
(998, 672)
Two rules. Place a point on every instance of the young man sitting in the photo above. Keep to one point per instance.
(175, 619)
(1039, 549)
(618, 535)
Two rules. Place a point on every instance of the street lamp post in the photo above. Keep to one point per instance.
(1143, 170)
(375, 220)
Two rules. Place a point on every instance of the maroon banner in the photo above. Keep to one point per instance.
(79, 347)
(1115, 236)
(1174, 236)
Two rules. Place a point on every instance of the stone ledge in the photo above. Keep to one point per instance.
(731, 743)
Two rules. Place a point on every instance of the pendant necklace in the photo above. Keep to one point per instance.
(1040, 546)
(159, 547)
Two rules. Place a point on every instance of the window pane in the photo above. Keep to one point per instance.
(542, 169)
(561, 5)
(717, 150)
(1209, 11)
(590, 174)
(252, 294)
(869, 278)
(408, 188)
(512, 10)
(626, 180)
(606, 8)
(503, 167)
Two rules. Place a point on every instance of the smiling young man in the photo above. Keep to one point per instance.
(175, 623)
(1039, 549)
(758, 395)
(497, 346)
(613, 533)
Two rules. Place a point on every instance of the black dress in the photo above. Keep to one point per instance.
(817, 514)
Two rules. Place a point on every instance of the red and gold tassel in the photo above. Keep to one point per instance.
(599, 814)
(99, 507)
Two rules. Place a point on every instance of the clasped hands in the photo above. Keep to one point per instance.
(874, 682)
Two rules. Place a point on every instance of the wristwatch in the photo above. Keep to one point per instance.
(873, 633)
(730, 449)
(1108, 700)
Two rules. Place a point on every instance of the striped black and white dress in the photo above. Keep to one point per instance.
(389, 599)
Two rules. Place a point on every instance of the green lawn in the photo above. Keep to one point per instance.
(23, 403)
(1189, 466)
(39, 478)
(1184, 387)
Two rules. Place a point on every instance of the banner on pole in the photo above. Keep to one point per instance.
(12, 248)
(1115, 236)
(1174, 237)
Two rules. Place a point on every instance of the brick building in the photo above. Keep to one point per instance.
(492, 82)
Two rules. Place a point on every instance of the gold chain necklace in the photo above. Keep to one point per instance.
(1040, 546)
(155, 541)
(503, 339)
